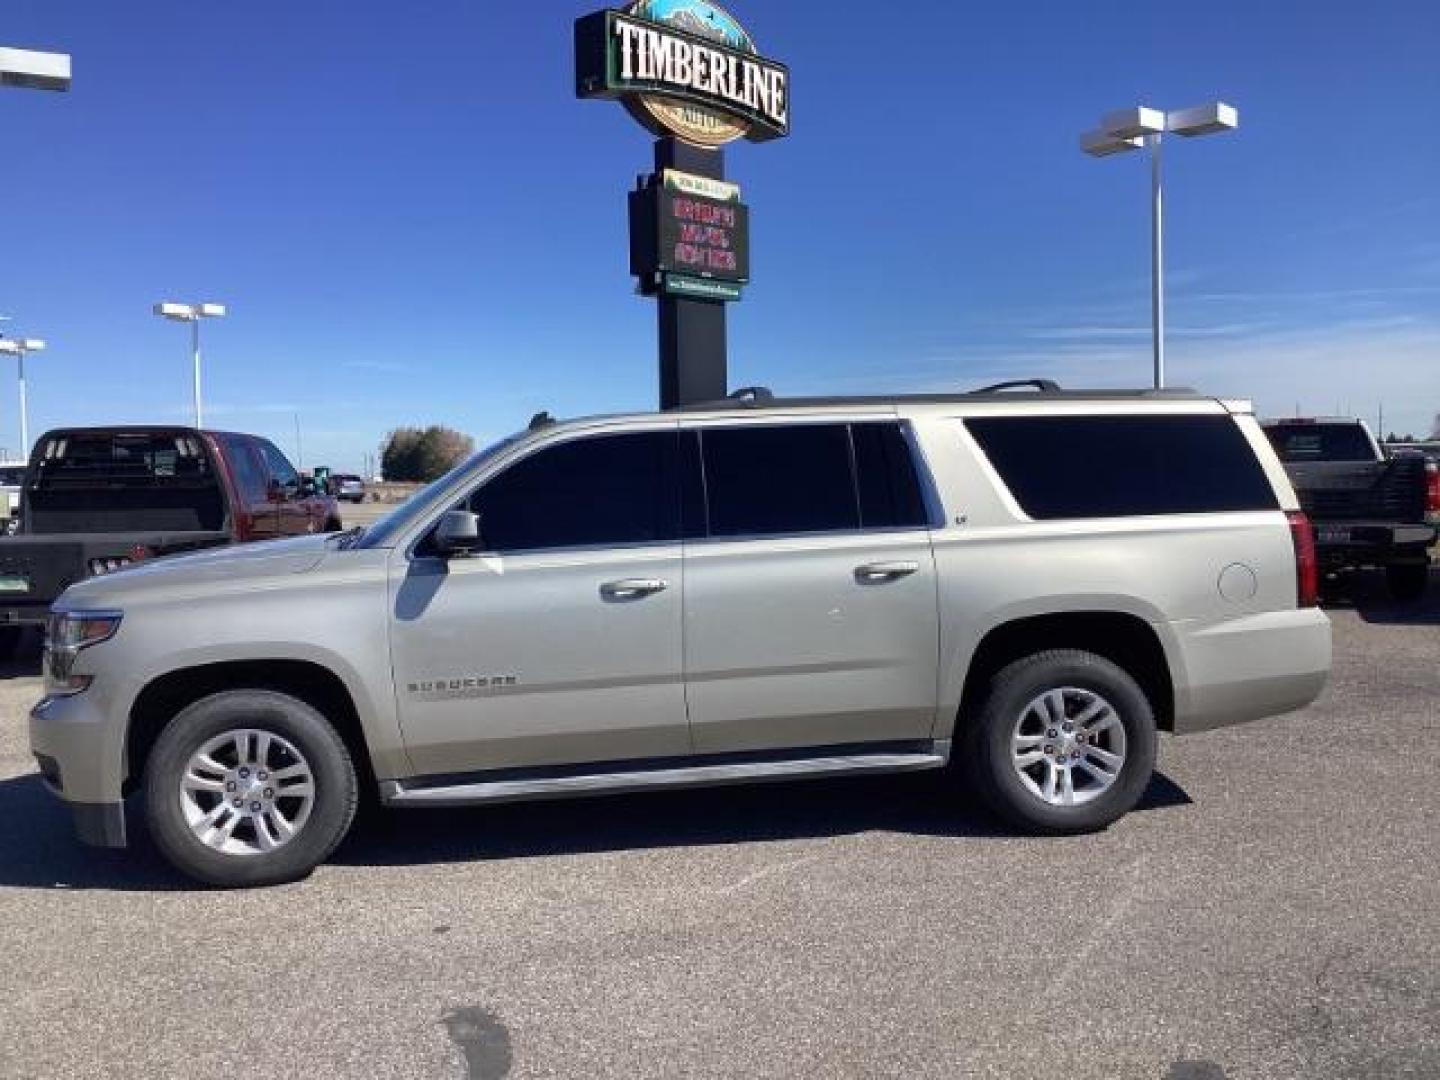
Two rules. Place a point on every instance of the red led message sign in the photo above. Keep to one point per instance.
(691, 226)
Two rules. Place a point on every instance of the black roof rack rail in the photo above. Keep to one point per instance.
(746, 396)
(1045, 386)
(751, 394)
(1044, 390)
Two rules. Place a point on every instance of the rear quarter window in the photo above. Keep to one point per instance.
(1299, 443)
(1065, 467)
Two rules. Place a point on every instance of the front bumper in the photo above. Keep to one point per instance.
(81, 758)
(1245, 669)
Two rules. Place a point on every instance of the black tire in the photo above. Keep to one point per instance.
(1407, 582)
(335, 798)
(334, 526)
(11, 640)
(985, 742)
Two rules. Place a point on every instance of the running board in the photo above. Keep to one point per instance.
(396, 793)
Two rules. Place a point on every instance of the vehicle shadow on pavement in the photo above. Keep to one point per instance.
(38, 849)
(918, 805)
(1366, 595)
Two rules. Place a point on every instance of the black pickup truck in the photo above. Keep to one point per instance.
(95, 500)
(1368, 510)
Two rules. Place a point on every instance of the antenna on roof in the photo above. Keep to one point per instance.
(540, 420)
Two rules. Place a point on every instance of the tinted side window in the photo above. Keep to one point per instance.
(776, 480)
(604, 491)
(1123, 466)
(249, 480)
(278, 464)
(890, 495)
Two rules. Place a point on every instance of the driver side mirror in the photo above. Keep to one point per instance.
(458, 533)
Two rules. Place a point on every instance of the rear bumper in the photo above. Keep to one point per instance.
(34, 614)
(82, 762)
(1363, 543)
(1249, 668)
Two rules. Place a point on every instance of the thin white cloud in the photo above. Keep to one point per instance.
(268, 408)
(1356, 366)
(1310, 295)
(1083, 333)
(379, 367)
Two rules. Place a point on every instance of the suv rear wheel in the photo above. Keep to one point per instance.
(249, 787)
(1064, 743)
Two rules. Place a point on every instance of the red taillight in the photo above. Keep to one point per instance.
(1307, 564)
(139, 553)
(1432, 474)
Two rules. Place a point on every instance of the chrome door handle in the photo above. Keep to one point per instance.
(632, 588)
(886, 571)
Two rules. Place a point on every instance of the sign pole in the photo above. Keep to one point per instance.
(692, 76)
(693, 344)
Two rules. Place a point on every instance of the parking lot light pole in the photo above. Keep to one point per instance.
(29, 70)
(192, 314)
(18, 348)
(1133, 129)
(26, 69)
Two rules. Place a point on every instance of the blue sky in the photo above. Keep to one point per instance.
(413, 220)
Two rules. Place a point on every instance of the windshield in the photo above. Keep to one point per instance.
(1299, 443)
(384, 531)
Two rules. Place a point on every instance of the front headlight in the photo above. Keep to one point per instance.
(70, 633)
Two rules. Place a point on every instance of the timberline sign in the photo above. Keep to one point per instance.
(685, 69)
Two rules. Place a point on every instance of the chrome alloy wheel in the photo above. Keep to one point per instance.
(247, 792)
(1068, 746)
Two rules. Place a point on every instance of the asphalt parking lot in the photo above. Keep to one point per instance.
(1271, 912)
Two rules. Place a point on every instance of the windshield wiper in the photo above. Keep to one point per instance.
(349, 538)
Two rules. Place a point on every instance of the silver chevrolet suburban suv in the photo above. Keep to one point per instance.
(1023, 586)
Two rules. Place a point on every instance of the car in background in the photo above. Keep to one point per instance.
(1369, 510)
(347, 487)
(12, 479)
(96, 500)
(1432, 473)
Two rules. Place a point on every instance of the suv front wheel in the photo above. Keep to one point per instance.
(249, 787)
(1064, 743)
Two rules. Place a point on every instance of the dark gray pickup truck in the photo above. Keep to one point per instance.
(1368, 510)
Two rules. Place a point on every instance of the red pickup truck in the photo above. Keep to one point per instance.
(97, 499)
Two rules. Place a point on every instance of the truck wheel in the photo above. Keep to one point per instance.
(249, 787)
(11, 638)
(1064, 743)
(1407, 581)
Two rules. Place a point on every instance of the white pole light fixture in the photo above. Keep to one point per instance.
(192, 314)
(1134, 129)
(19, 348)
(30, 70)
